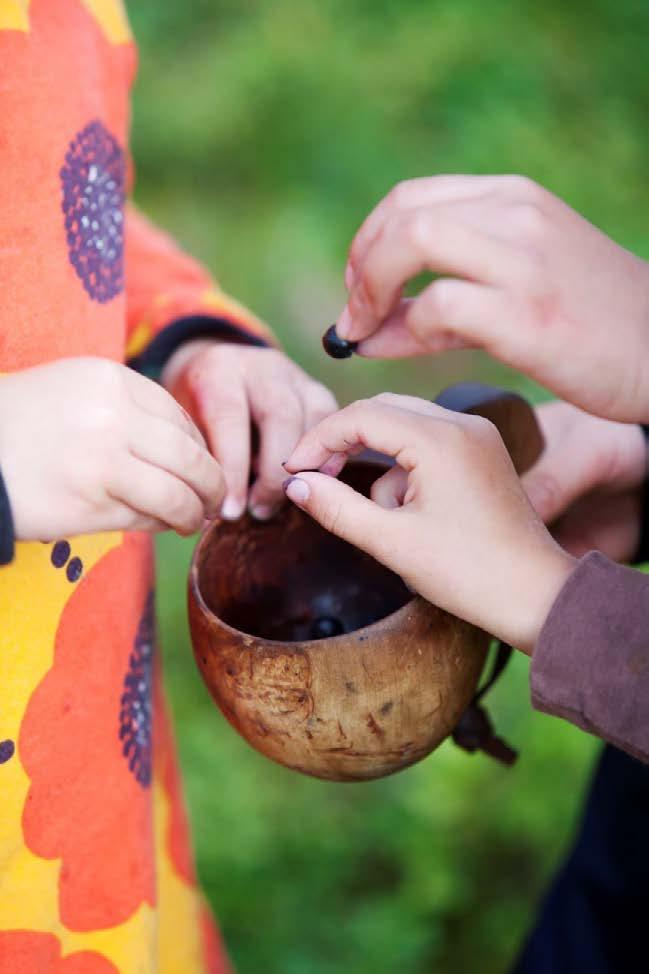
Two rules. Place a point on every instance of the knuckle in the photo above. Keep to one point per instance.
(486, 432)
(364, 292)
(106, 423)
(444, 296)
(521, 187)
(378, 489)
(360, 407)
(529, 221)
(281, 407)
(419, 230)
(384, 398)
(107, 375)
(179, 505)
(332, 518)
(474, 431)
(400, 193)
(545, 492)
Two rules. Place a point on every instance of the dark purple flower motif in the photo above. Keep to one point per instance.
(60, 553)
(7, 749)
(74, 570)
(92, 179)
(135, 711)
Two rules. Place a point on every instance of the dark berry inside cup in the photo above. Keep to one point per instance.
(337, 347)
(325, 627)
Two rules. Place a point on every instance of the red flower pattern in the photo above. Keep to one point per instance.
(85, 805)
(40, 953)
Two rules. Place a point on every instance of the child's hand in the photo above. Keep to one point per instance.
(525, 277)
(228, 388)
(589, 481)
(88, 445)
(460, 530)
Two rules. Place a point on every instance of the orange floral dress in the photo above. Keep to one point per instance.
(96, 871)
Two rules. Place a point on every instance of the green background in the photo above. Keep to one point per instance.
(263, 133)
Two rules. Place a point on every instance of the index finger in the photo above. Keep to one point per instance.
(155, 400)
(387, 427)
(443, 239)
(422, 191)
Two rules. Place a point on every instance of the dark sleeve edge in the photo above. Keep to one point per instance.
(7, 537)
(152, 360)
(641, 556)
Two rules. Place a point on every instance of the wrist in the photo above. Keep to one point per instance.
(534, 590)
(180, 359)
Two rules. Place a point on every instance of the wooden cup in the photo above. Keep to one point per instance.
(369, 701)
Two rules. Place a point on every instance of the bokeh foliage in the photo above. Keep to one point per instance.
(263, 133)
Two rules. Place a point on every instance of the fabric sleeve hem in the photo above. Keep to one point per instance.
(7, 537)
(153, 358)
(591, 661)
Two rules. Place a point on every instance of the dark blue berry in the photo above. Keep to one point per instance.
(74, 569)
(325, 627)
(337, 347)
(60, 553)
(7, 749)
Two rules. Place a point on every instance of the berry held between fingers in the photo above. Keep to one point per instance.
(337, 347)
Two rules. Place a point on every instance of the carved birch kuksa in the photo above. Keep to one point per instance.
(319, 656)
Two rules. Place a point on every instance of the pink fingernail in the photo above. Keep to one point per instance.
(344, 323)
(349, 276)
(262, 512)
(296, 490)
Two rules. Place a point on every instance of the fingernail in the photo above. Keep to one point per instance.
(344, 323)
(262, 512)
(349, 275)
(296, 490)
(231, 509)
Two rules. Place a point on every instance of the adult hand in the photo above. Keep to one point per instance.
(523, 277)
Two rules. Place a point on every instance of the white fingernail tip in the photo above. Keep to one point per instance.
(232, 509)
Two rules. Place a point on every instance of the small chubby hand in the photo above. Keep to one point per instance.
(229, 389)
(88, 445)
(452, 518)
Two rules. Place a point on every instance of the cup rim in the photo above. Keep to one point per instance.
(195, 589)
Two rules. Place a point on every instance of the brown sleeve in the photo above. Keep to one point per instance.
(591, 661)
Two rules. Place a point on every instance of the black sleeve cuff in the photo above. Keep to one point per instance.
(6, 526)
(642, 554)
(155, 356)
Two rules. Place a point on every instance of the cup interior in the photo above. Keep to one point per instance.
(289, 580)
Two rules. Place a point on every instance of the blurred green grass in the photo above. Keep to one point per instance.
(263, 133)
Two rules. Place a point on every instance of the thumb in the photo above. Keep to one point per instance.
(562, 475)
(342, 511)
